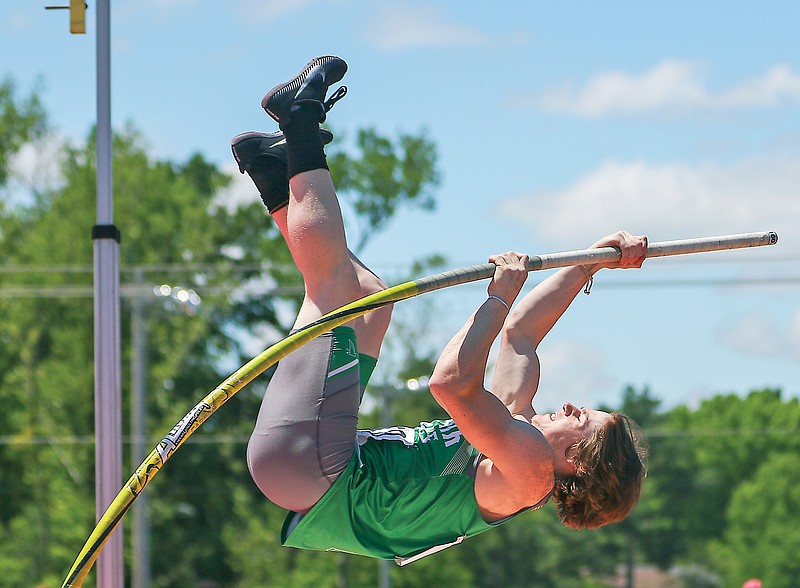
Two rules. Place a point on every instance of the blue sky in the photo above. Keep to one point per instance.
(556, 123)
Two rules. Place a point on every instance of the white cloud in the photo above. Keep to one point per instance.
(758, 334)
(405, 26)
(671, 88)
(241, 190)
(37, 166)
(668, 202)
(682, 201)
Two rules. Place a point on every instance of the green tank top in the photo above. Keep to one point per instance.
(406, 493)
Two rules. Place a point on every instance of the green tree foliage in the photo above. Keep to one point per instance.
(761, 537)
(700, 459)
(535, 549)
(21, 121)
(731, 436)
(385, 177)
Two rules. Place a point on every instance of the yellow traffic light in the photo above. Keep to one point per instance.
(77, 17)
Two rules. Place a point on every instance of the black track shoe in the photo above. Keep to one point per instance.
(248, 148)
(263, 157)
(308, 87)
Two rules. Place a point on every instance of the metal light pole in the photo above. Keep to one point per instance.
(108, 411)
(141, 520)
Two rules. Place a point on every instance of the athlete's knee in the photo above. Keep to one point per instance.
(285, 472)
(369, 282)
(262, 459)
(371, 330)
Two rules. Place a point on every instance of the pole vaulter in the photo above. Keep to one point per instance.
(252, 369)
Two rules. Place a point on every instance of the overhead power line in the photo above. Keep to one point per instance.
(66, 291)
(190, 267)
(231, 439)
(131, 291)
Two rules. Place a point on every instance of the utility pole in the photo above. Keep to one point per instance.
(141, 519)
(186, 300)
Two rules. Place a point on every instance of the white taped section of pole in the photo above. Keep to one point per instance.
(660, 249)
(108, 409)
(602, 254)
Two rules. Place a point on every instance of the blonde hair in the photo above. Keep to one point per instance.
(611, 465)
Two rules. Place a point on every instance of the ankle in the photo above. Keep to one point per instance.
(304, 151)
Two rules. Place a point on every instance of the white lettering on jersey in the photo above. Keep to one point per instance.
(450, 434)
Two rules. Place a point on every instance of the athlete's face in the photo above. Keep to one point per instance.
(564, 428)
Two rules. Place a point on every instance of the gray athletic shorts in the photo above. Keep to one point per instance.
(305, 432)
